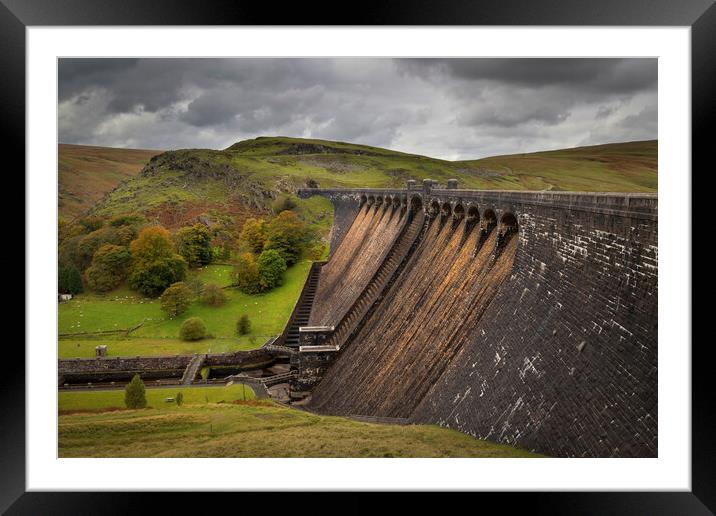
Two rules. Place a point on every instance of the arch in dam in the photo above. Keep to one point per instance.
(473, 213)
(434, 209)
(508, 223)
(363, 200)
(458, 212)
(489, 218)
(446, 209)
(371, 200)
(416, 202)
(396, 201)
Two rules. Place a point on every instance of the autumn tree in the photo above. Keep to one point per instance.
(175, 299)
(109, 267)
(194, 244)
(254, 233)
(155, 264)
(287, 234)
(271, 268)
(246, 274)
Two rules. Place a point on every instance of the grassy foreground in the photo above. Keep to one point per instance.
(256, 429)
(122, 308)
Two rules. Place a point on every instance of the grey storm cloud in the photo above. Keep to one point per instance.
(448, 108)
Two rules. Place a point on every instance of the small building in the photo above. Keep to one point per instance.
(100, 351)
(65, 297)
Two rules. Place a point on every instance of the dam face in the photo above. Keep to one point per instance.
(526, 318)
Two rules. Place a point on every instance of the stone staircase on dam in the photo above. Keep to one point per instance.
(301, 315)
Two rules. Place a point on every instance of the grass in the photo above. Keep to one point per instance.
(122, 308)
(255, 429)
(114, 399)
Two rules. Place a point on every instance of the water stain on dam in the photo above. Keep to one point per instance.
(365, 246)
(424, 318)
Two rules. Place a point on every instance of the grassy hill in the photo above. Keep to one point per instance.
(175, 187)
(87, 173)
(216, 422)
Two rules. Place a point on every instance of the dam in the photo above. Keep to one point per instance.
(525, 318)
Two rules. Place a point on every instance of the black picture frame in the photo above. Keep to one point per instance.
(700, 15)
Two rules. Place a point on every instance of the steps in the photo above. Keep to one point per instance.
(303, 310)
(192, 369)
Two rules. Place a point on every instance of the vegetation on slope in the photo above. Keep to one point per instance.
(249, 429)
(159, 335)
(86, 173)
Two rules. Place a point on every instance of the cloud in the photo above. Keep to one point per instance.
(450, 108)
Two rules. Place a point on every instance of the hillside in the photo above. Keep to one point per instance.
(177, 186)
(87, 173)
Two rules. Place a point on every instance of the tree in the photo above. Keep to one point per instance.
(69, 280)
(271, 268)
(175, 299)
(192, 329)
(109, 267)
(243, 325)
(254, 233)
(246, 274)
(194, 244)
(155, 265)
(179, 398)
(287, 235)
(213, 295)
(134, 393)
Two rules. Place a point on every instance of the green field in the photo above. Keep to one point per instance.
(122, 309)
(249, 429)
(70, 401)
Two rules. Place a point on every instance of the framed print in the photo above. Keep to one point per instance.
(416, 246)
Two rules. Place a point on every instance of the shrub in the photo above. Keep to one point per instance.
(175, 299)
(213, 295)
(134, 394)
(254, 234)
(155, 265)
(194, 244)
(192, 329)
(243, 325)
(283, 203)
(271, 267)
(246, 274)
(196, 286)
(179, 398)
(109, 267)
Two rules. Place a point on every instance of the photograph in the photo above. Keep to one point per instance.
(357, 257)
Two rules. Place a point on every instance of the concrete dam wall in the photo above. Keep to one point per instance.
(527, 318)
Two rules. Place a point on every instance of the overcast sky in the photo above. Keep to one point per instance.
(445, 108)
